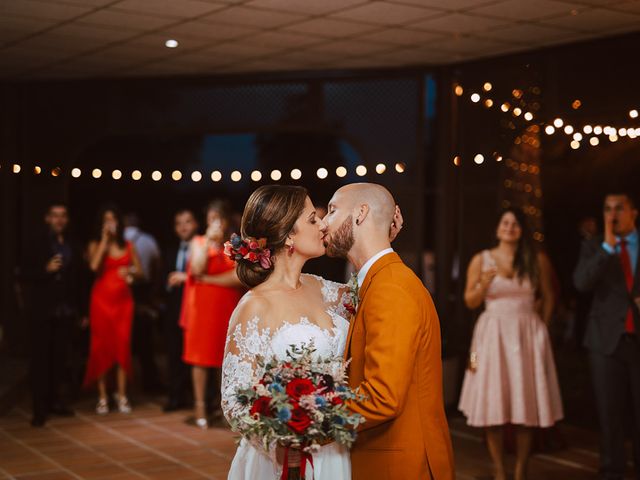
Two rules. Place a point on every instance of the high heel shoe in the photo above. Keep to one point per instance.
(122, 403)
(102, 408)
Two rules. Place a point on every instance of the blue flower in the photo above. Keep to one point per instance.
(236, 241)
(341, 388)
(276, 388)
(338, 420)
(284, 414)
(320, 401)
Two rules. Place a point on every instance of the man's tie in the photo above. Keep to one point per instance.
(625, 259)
(181, 261)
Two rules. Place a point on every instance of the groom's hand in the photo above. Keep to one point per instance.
(396, 225)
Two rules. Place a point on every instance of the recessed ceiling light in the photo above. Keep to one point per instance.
(171, 43)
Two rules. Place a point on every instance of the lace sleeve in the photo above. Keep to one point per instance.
(335, 295)
(245, 342)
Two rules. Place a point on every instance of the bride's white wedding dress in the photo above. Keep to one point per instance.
(255, 337)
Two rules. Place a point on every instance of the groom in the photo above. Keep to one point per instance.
(393, 344)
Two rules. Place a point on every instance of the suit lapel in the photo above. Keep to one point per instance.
(375, 268)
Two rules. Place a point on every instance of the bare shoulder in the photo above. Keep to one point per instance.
(249, 307)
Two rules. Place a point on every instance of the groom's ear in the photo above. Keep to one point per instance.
(363, 211)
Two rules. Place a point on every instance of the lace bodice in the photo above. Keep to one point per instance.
(253, 337)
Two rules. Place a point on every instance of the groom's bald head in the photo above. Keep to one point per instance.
(378, 200)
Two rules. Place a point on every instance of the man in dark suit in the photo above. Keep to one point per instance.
(185, 226)
(51, 270)
(608, 267)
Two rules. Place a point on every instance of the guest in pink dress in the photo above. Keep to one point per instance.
(511, 376)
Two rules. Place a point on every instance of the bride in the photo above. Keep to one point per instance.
(284, 307)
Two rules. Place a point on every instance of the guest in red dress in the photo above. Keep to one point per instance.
(116, 266)
(211, 293)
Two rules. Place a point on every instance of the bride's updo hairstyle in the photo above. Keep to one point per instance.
(271, 212)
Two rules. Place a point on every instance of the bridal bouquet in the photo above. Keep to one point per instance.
(299, 404)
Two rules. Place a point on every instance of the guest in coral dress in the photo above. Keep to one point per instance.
(211, 293)
(116, 266)
(511, 378)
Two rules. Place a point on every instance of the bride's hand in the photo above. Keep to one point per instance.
(396, 225)
(294, 458)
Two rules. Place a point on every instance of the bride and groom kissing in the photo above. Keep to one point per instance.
(392, 342)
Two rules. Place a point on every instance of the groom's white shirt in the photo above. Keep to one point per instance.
(362, 273)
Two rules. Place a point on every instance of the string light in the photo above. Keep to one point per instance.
(487, 87)
(577, 136)
(594, 141)
(568, 129)
(631, 133)
(256, 176)
(296, 174)
(517, 111)
(156, 176)
(587, 129)
(575, 144)
(361, 170)
(381, 168)
(16, 168)
(322, 173)
(613, 137)
(458, 90)
(456, 160)
(176, 175)
(576, 104)
(488, 103)
(549, 130)
(136, 175)
(505, 107)
(341, 172)
(116, 174)
(475, 98)
(76, 172)
(236, 176)
(558, 123)
(56, 172)
(597, 130)
(479, 159)
(400, 167)
(37, 170)
(216, 176)
(528, 116)
(196, 176)
(96, 173)
(633, 113)
(276, 175)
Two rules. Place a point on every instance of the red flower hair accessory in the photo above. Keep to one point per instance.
(250, 249)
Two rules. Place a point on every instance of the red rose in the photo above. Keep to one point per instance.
(261, 406)
(350, 308)
(252, 257)
(243, 250)
(300, 386)
(300, 421)
(337, 401)
(253, 245)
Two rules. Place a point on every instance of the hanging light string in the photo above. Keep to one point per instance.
(518, 107)
(197, 176)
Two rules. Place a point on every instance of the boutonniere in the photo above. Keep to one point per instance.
(351, 305)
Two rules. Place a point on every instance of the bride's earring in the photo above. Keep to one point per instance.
(291, 249)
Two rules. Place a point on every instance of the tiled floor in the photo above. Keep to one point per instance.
(152, 445)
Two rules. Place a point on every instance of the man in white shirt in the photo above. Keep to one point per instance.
(145, 293)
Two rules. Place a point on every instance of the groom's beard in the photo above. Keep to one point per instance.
(340, 243)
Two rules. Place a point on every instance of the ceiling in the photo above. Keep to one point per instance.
(121, 38)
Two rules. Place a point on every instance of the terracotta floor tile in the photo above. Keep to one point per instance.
(53, 475)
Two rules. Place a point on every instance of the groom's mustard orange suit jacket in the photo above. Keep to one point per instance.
(394, 347)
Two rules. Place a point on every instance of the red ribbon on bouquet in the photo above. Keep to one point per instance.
(304, 456)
